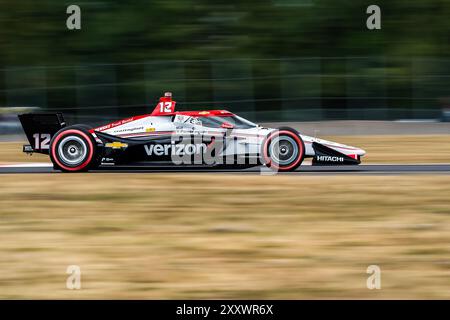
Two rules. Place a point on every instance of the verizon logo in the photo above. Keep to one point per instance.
(175, 149)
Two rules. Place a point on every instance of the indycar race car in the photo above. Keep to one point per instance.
(212, 139)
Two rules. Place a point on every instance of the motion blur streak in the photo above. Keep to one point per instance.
(230, 236)
(154, 236)
(268, 60)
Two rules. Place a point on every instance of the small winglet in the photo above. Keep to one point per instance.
(165, 106)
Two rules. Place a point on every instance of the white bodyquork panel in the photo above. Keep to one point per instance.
(145, 125)
(251, 139)
(342, 148)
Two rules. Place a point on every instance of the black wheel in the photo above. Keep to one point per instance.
(283, 150)
(73, 149)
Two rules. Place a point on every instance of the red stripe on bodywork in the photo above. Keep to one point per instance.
(206, 113)
(144, 134)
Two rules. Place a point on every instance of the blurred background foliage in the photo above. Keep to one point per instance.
(266, 59)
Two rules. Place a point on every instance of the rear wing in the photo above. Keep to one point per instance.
(40, 129)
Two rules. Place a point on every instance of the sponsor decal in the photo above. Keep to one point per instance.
(116, 145)
(103, 128)
(187, 120)
(118, 123)
(115, 124)
(330, 159)
(150, 129)
(129, 129)
(175, 149)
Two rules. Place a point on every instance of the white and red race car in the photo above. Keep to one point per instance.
(211, 138)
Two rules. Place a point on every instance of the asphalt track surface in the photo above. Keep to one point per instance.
(382, 169)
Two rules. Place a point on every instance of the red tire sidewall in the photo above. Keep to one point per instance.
(301, 151)
(86, 139)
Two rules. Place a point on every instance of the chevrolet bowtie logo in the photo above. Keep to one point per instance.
(116, 145)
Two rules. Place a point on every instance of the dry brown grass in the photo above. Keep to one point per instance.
(12, 152)
(224, 236)
(380, 149)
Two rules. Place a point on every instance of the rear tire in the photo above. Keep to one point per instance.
(283, 150)
(73, 149)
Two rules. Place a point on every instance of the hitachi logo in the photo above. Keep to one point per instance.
(330, 159)
(175, 149)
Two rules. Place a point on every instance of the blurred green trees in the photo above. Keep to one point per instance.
(252, 55)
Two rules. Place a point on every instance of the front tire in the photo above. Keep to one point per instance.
(73, 149)
(283, 150)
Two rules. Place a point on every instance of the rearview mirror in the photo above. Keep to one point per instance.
(227, 125)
